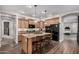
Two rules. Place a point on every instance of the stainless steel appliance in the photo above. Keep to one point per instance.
(54, 30)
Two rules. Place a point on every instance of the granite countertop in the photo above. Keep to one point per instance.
(32, 35)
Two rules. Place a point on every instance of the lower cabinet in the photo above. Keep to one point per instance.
(35, 45)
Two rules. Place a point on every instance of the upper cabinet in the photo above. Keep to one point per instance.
(41, 24)
(23, 23)
(35, 23)
(52, 21)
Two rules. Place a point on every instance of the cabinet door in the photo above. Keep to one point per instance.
(25, 24)
(22, 23)
(19, 23)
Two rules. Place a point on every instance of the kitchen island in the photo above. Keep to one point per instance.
(32, 42)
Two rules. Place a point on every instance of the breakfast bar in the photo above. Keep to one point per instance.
(35, 42)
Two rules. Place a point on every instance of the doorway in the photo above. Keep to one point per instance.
(8, 30)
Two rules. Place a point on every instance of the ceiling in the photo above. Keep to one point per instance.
(29, 10)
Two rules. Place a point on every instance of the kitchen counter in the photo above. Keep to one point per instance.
(31, 35)
(28, 41)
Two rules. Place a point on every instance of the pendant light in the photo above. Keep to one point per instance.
(35, 6)
(35, 9)
(45, 13)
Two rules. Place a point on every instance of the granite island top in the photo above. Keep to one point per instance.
(31, 35)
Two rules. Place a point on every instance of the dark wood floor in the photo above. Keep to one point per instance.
(65, 47)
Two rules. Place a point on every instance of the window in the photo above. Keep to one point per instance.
(6, 28)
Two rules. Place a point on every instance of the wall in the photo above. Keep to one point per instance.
(72, 22)
(5, 17)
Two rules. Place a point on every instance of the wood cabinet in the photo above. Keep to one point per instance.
(52, 21)
(35, 43)
(22, 43)
(41, 24)
(36, 23)
(23, 23)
